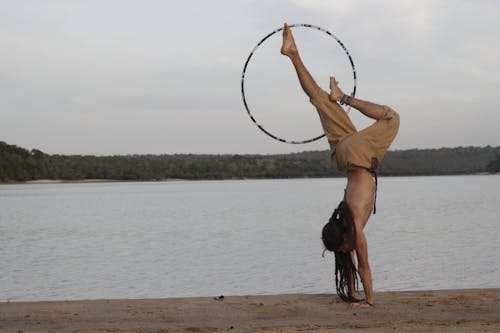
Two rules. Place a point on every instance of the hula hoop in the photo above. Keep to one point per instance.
(353, 93)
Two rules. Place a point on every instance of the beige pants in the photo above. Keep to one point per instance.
(350, 148)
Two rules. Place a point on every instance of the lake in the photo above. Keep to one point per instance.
(207, 238)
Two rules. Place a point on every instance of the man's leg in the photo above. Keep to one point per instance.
(310, 87)
(369, 109)
(289, 49)
(334, 120)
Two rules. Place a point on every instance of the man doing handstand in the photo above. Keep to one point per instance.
(358, 153)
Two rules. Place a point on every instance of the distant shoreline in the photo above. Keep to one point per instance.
(21, 165)
(90, 181)
(472, 310)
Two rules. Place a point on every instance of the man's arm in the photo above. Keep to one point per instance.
(364, 270)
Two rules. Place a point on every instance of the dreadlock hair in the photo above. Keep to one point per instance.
(341, 230)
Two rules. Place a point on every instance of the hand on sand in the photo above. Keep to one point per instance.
(335, 93)
(362, 305)
(288, 48)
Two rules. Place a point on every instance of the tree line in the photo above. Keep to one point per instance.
(18, 164)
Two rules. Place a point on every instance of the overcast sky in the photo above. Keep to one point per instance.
(124, 77)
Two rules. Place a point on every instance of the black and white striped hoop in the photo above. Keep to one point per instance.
(353, 93)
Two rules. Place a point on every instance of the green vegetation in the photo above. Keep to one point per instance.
(494, 166)
(19, 164)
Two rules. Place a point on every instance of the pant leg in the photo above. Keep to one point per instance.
(382, 133)
(335, 121)
(367, 147)
(336, 125)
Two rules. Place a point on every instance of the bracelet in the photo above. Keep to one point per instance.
(345, 100)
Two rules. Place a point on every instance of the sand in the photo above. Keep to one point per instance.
(413, 311)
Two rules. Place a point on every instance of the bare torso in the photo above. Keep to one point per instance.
(360, 195)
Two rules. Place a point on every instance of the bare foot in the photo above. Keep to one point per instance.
(335, 93)
(288, 48)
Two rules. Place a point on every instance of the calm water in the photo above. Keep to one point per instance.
(150, 240)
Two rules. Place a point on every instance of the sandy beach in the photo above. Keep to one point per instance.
(475, 310)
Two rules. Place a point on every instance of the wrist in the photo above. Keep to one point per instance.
(346, 99)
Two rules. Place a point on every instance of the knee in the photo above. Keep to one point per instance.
(395, 119)
(391, 115)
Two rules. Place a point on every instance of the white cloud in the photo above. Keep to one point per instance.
(413, 17)
(337, 6)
